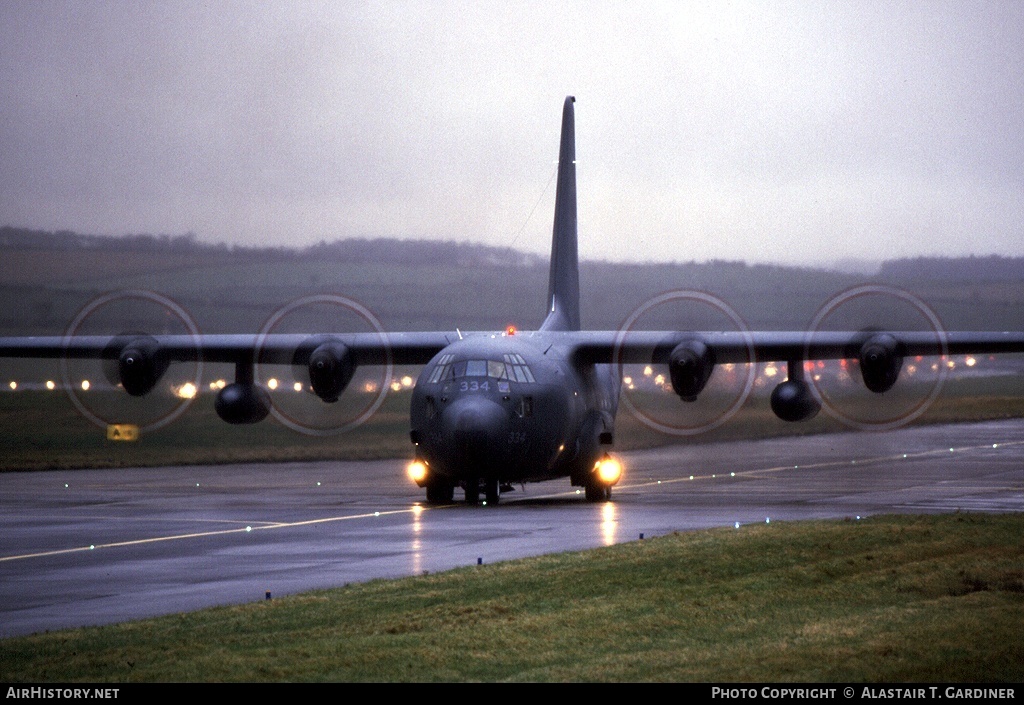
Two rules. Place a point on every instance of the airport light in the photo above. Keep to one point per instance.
(272, 383)
(297, 386)
(85, 385)
(13, 385)
(50, 384)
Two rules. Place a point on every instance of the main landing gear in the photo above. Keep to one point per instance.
(440, 493)
(597, 492)
(606, 473)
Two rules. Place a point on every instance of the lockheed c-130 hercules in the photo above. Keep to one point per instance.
(491, 409)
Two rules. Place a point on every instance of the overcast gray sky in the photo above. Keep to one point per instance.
(791, 132)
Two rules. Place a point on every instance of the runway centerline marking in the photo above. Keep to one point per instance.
(223, 532)
(831, 463)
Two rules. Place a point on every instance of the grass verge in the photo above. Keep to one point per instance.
(891, 598)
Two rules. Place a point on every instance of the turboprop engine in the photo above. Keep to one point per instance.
(140, 365)
(331, 367)
(689, 367)
(881, 359)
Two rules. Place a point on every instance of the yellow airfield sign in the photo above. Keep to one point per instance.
(122, 432)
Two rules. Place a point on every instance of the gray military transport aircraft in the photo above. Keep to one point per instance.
(495, 408)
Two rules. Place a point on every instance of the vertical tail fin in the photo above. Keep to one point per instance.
(564, 278)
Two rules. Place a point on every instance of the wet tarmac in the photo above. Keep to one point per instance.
(92, 547)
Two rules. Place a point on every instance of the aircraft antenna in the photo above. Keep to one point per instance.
(554, 172)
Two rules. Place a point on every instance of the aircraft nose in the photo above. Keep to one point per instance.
(476, 426)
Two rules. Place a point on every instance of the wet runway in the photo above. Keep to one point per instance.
(99, 546)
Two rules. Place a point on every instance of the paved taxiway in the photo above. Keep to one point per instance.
(100, 546)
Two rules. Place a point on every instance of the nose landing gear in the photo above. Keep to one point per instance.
(491, 489)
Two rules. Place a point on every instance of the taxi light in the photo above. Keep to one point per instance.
(609, 470)
(417, 471)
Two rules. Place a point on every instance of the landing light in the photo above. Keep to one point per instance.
(417, 471)
(609, 470)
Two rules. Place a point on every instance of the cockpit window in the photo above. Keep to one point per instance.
(517, 368)
(514, 368)
(443, 369)
(476, 368)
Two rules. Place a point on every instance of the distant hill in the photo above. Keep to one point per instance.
(353, 250)
(46, 277)
(961, 269)
(447, 252)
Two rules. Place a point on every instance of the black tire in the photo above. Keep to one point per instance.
(598, 493)
(472, 491)
(440, 493)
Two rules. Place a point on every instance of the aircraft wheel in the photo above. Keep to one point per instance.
(440, 493)
(472, 491)
(598, 493)
(492, 491)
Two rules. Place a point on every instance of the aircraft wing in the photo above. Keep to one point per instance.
(644, 347)
(366, 348)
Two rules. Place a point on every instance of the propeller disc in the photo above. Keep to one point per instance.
(876, 312)
(647, 388)
(294, 403)
(130, 318)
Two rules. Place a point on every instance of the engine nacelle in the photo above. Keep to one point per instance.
(881, 358)
(331, 367)
(689, 367)
(242, 403)
(793, 400)
(140, 366)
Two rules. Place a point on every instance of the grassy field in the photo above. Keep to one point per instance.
(43, 430)
(886, 599)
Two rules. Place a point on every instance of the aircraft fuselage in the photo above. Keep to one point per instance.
(506, 409)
